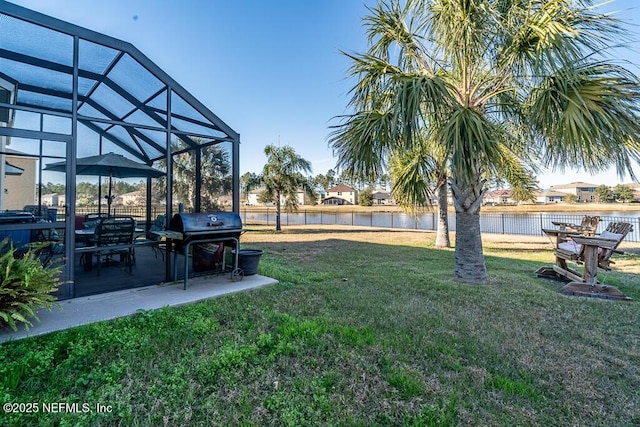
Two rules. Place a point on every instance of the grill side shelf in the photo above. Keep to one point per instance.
(175, 235)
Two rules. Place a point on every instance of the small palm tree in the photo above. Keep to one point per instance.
(282, 178)
(419, 175)
(499, 85)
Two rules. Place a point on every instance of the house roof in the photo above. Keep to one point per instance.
(634, 185)
(340, 187)
(550, 193)
(499, 193)
(381, 195)
(574, 185)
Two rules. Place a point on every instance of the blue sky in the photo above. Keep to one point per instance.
(271, 69)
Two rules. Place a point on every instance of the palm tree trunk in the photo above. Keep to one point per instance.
(278, 209)
(442, 233)
(469, 260)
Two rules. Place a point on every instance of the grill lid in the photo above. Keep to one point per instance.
(206, 222)
(16, 218)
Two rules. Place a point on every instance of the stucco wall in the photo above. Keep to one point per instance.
(21, 190)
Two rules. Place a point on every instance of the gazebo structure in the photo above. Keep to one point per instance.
(67, 92)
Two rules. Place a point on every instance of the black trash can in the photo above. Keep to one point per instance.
(248, 260)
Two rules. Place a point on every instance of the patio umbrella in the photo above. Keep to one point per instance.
(111, 165)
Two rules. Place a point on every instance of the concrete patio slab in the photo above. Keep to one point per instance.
(95, 308)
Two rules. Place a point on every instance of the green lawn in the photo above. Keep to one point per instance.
(364, 328)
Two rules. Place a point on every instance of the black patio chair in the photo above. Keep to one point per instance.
(155, 234)
(110, 236)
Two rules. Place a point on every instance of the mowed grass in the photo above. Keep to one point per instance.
(364, 328)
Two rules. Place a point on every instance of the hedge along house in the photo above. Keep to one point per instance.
(68, 92)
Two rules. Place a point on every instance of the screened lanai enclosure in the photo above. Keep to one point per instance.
(68, 93)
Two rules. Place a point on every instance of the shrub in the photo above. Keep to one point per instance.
(25, 285)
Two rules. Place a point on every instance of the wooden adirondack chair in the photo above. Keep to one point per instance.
(588, 226)
(592, 252)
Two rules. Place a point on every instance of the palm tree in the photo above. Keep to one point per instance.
(216, 177)
(419, 175)
(282, 177)
(248, 182)
(492, 81)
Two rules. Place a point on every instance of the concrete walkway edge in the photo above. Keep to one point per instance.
(96, 308)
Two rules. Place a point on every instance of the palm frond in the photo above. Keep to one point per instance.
(415, 173)
(551, 34)
(589, 115)
(390, 25)
(470, 140)
(363, 141)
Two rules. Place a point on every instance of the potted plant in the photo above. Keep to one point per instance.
(25, 284)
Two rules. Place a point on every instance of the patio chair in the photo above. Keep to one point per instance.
(91, 220)
(111, 234)
(588, 226)
(48, 244)
(155, 234)
(592, 252)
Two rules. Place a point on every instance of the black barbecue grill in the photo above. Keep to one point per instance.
(187, 229)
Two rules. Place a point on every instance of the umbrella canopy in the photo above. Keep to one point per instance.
(111, 165)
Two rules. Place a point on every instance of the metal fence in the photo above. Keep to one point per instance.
(527, 224)
(138, 213)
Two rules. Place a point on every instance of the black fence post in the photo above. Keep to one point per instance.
(541, 226)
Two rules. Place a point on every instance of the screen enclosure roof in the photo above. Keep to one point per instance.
(116, 92)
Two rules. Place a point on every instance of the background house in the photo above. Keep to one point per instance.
(53, 199)
(583, 191)
(636, 190)
(550, 196)
(498, 197)
(303, 198)
(133, 198)
(341, 195)
(380, 197)
(253, 198)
